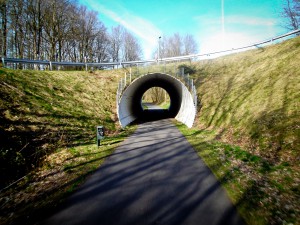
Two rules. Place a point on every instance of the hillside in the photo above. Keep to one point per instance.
(48, 125)
(248, 129)
(254, 97)
(41, 111)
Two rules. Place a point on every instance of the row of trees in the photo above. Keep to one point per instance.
(61, 30)
(291, 11)
(156, 95)
(176, 45)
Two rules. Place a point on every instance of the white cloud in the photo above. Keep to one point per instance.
(254, 29)
(146, 32)
(219, 42)
(211, 20)
(251, 21)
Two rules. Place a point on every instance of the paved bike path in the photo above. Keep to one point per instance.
(154, 177)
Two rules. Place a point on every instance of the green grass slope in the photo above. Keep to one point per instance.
(48, 145)
(247, 129)
(254, 98)
(41, 111)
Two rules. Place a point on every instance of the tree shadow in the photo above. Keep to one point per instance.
(151, 183)
(220, 103)
(25, 143)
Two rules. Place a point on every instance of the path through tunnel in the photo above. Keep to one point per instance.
(181, 101)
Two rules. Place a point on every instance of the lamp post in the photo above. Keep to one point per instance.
(223, 23)
(158, 54)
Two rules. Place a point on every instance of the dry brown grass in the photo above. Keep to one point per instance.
(48, 125)
(256, 94)
(248, 129)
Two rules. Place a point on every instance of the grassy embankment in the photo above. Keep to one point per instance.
(48, 125)
(248, 129)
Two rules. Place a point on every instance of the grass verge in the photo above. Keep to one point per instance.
(35, 196)
(165, 105)
(264, 192)
(48, 125)
(254, 97)
(42, 111)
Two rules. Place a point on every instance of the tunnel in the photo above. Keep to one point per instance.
(181, 108)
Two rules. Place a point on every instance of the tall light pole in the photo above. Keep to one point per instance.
(223, 23)
(158, 54)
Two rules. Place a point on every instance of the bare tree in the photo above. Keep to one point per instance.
(101, 46)
(174, 45)
(52, 19)
(116, 43)
(18, 30)
(88, 32)
(59, 30)
(154, 95)
(177, 45)
(34, 24)
(189, 45)
(3, 13)
(131, 47)
(291, 11)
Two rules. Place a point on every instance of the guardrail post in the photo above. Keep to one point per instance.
(85, 63)
(3, 62)
(130, 74)
(50, 65)
(182, 71)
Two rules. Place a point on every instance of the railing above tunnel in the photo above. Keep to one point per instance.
(170, 69)
(173, 79)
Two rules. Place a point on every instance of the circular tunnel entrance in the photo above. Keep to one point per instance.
(156, 97)
(181, 102)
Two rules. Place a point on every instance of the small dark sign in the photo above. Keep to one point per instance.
(100, 134)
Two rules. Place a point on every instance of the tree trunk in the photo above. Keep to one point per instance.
(4, 28)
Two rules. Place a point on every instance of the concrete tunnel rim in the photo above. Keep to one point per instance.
(187, 110)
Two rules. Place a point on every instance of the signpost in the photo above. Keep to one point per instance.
(100, 134)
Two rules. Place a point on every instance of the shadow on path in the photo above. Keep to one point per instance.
(154, 177)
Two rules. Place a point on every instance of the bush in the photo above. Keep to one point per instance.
(188, 69)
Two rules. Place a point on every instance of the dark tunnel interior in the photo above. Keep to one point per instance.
(182, 106)
(148, 115)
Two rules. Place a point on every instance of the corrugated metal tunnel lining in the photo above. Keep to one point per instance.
(181, 108)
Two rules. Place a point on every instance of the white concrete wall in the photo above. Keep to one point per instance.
(124, 114)
(187, 110)
(185, 115)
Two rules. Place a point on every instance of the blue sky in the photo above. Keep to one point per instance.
(245, 21)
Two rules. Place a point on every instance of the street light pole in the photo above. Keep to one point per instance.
(223, 23)
(158, 54)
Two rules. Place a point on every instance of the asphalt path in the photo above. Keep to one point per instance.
(151, 106)
(154, 177)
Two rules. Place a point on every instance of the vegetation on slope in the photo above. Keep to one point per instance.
(248, 129)
(257, 94)
(48, 125)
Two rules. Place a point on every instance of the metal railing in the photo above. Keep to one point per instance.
(86, 65)
(178, 73)
(173, 70)
(54, 63)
